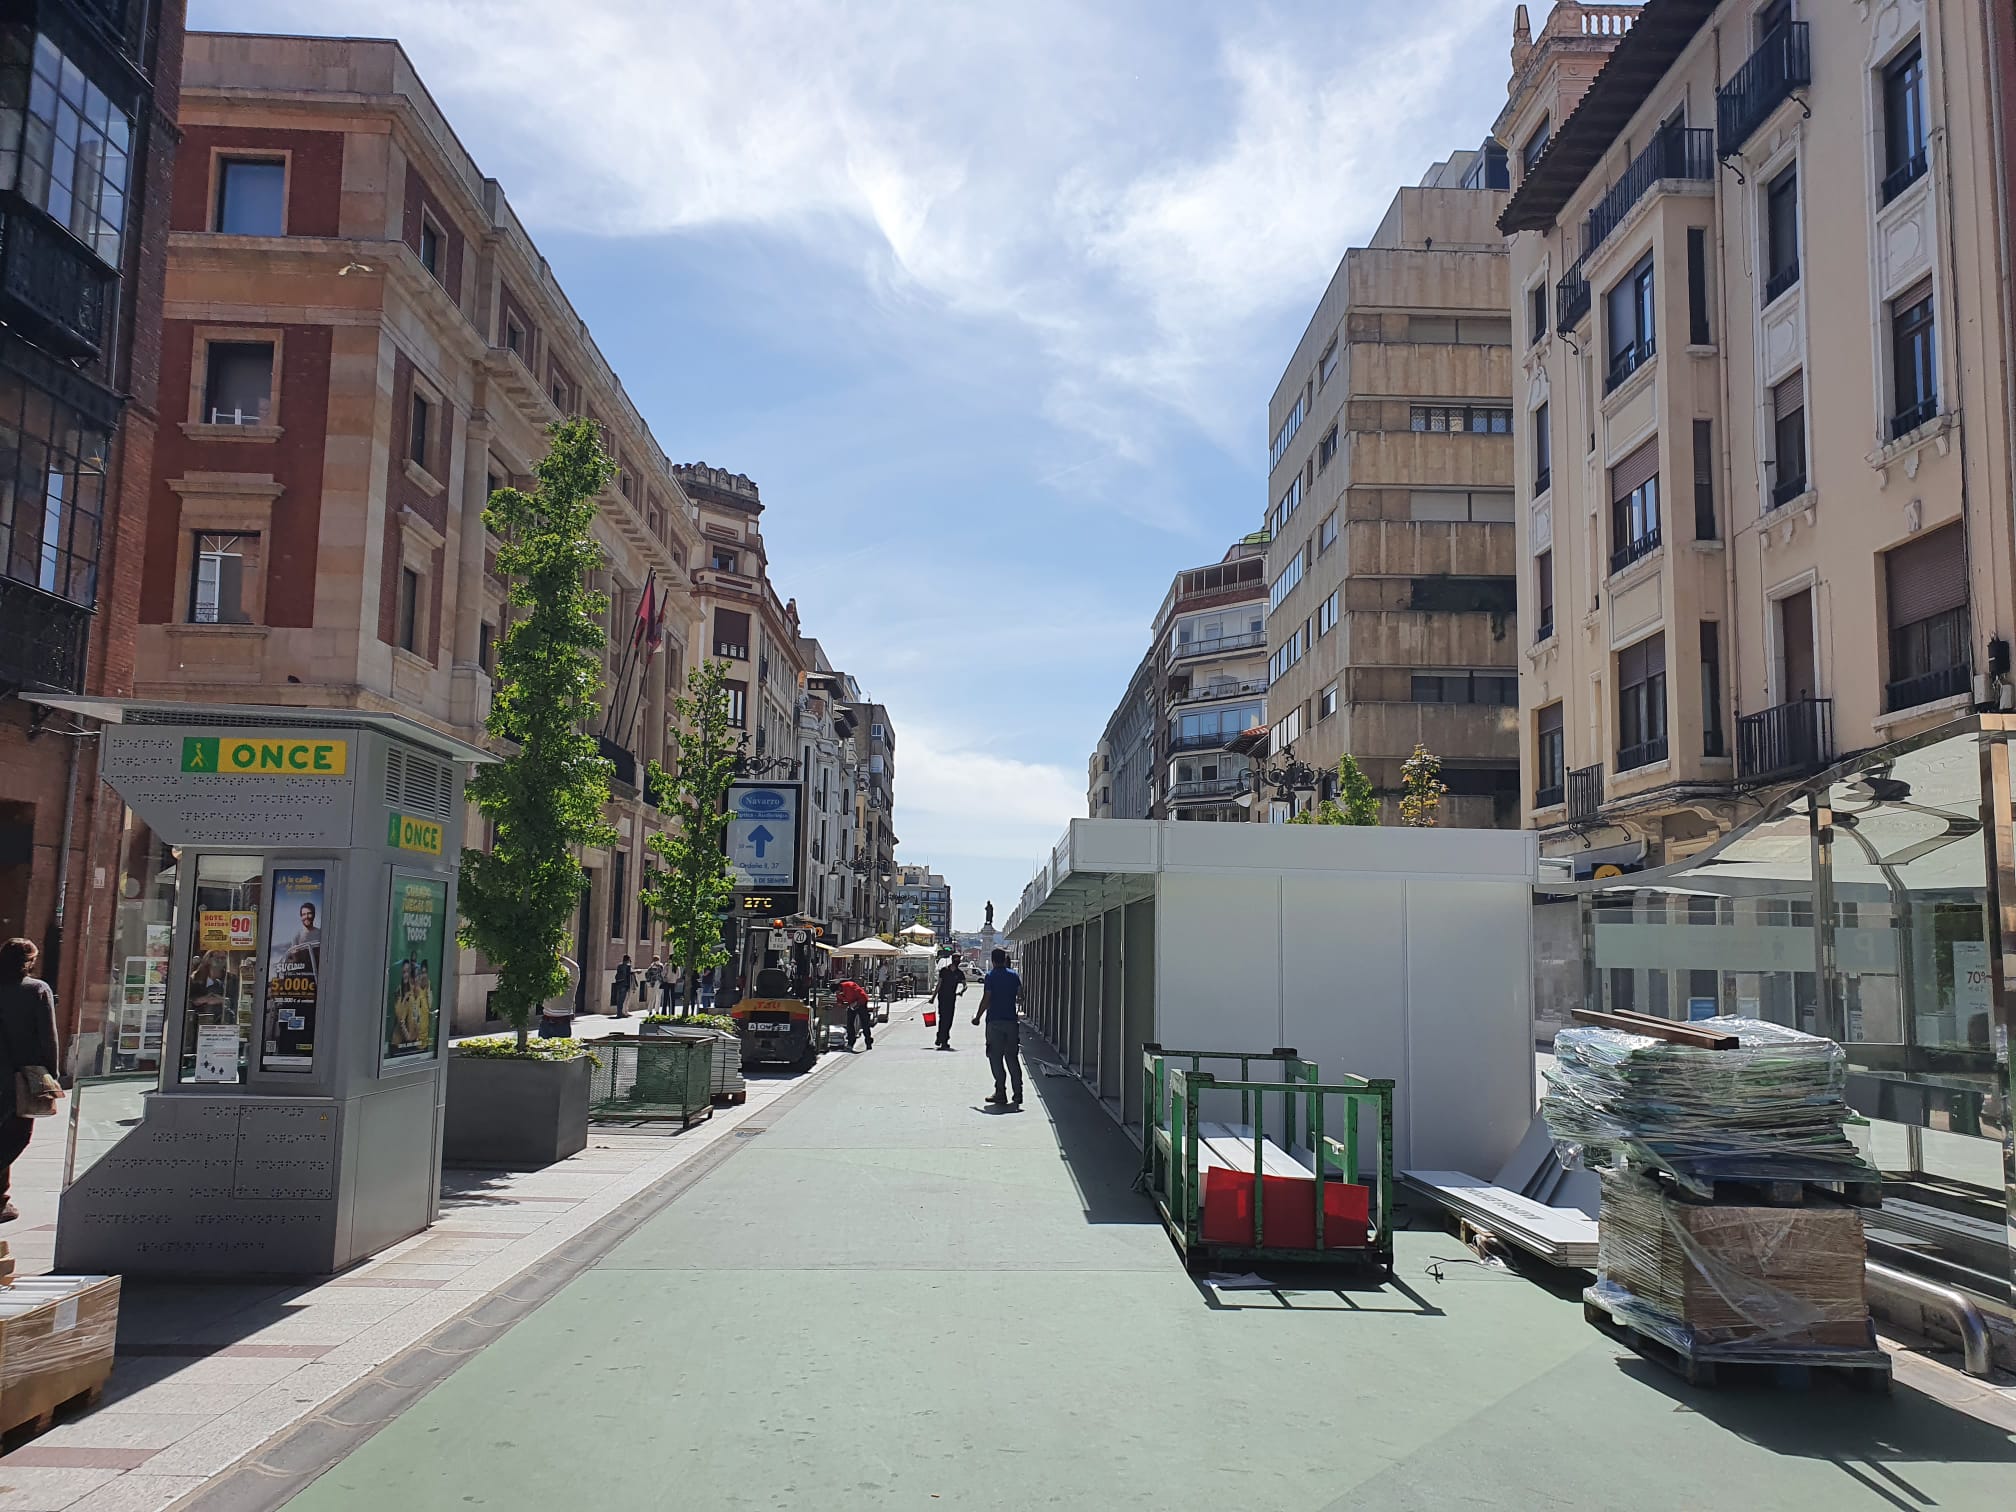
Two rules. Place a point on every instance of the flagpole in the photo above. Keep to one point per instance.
(611, 709)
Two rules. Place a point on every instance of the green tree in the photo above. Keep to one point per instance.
(1354, 803)
(1421, 788)
(694, 887)
(545, 798)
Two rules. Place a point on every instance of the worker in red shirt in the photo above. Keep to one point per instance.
(852, 996)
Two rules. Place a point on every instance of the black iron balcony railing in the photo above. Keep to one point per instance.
(1785, 490)
(624, 761)
(656, 793)
(1571, 299)
(1788, 740)
(1676, 152)
(1627, 361)
(1780, 281)
(50, 283)
(1543, 480)
(1904, 175)
(1644, 753)
(1585, 793)
(1549, 797)
(1207, 788)
(1632, 550)
(1782, 63)
(1251, 687)
(1215, 741)
(116, 19)
(43, 640)
(1929, 687)
(1544, 630)
(1217, 645)
(1912, 416)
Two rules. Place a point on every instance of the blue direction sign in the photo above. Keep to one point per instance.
(763, 826)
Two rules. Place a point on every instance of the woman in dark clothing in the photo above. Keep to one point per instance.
(27, 1038)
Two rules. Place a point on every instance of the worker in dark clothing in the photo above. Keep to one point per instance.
(999, 992)
(951, 982)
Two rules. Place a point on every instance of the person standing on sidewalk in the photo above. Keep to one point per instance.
(852, 997)
(619, 990)
(951, 982)
(27, 1042)
(654, 975)
(999, 992)
(556, 1016)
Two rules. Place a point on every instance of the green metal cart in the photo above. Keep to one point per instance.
(1286, 1137)
(661, 1077)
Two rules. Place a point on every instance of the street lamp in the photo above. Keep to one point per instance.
(1291, 779)
(760, 766)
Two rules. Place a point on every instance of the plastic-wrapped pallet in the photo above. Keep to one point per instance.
(1730, 1278)
(1770, 1108)
(56, 1338)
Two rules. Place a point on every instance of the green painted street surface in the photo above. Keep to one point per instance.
(889, 1298)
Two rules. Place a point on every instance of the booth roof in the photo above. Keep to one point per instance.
(133, 711)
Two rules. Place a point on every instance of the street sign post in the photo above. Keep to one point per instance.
(765, 820)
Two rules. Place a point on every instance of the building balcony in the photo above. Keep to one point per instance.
(1179, 744)
(623, 760)
(1677, 152)
(1545, 629)
(1904, 175)
(1644, 753)
(1255, 640)
(1782, 63)
(51, 284)
(1571, 299)
(1626, 361)
(1632, 550)
(43, 640)
(1780, 283)
(1789, 740)
(659, 794)
(1207, 790)
(1785, 490)
(1908, 419)
(1205, 693)
(1928, 687)
(1585, 793)
(1550, 797)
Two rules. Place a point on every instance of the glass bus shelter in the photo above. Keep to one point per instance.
(1874, 904)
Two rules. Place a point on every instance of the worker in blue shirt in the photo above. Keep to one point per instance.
(999, 991)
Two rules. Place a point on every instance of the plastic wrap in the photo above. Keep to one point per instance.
(1770, 1108)
(1731, 1279)
(56, 1339)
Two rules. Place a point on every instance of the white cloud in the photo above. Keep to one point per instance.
(1137, 193)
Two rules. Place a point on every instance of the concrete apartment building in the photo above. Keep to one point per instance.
(1120, 775)
(1763, 431)
(1208, 652)
(362, 342)
(920, 893)
(85, 224)
(1390, 578)
(875, 841)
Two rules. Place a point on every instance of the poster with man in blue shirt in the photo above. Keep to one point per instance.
(999, 991)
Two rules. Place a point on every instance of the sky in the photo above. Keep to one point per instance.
(988, 299)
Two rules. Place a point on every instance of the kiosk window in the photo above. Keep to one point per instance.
(222, 987)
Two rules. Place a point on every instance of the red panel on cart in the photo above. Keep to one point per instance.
(1291, 1211)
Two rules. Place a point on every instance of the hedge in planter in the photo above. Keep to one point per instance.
(516, 1109)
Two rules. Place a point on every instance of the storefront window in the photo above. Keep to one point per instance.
(143, 941)
(223, 972)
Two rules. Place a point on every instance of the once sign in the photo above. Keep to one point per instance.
(264, 756)
(408, 833)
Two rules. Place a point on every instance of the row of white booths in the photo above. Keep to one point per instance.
(1872, 904)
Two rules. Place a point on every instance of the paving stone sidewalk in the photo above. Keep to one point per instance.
(206, 1373)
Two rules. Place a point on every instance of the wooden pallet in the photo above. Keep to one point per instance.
(1738, 1191)
(34, 1411)
(1857, 1369)
(731, 1099)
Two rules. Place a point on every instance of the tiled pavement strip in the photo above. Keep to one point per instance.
(207, 1374)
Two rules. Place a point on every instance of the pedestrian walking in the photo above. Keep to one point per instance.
(951, 982)
(668, 989)
(28, 1059)
(854, 999)
(619, 990)
(556, 1017)
(654, 978)
(999, 992)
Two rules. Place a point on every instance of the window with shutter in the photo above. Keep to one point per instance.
(1788, 421)
(1926, 585)
(1641, 703)
(1634, 506)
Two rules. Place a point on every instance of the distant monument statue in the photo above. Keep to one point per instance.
(990, 917)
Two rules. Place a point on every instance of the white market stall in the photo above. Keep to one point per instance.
(1403, 953)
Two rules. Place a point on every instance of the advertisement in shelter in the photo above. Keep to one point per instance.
(294, 969)
(416, 945)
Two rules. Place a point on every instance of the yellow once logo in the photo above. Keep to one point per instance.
(411, 834)
(264, 756)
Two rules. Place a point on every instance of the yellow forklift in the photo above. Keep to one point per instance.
(778, 1018)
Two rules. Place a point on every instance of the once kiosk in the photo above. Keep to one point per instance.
(307, 895)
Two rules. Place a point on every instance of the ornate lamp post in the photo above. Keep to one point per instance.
(1291, 779)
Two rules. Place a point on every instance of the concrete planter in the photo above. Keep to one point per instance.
(516, 1115)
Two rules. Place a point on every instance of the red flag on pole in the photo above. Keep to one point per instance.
(647, 610)
(654, 640)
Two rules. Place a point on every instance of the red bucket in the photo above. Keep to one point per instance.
(930, 1018)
